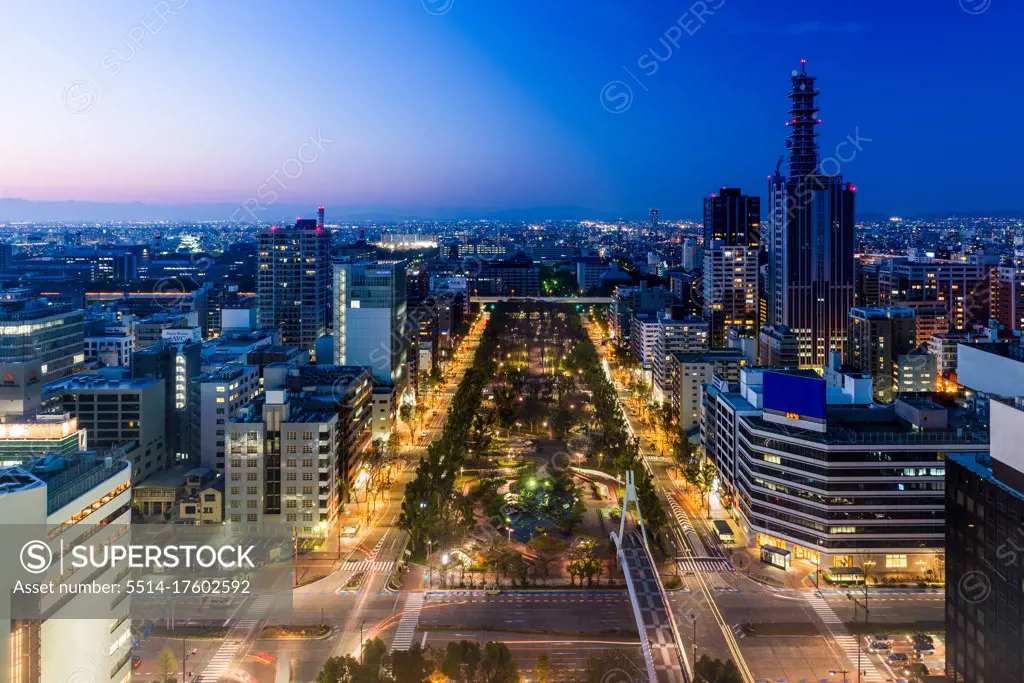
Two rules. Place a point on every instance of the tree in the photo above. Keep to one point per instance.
(497, 664)
(461, 661)
(166, 664)
(410, 666)
(610, 665)
(375, 662)
(706, 481)
(708, 670)
(406, 413)
(338, 670)
(543, 669)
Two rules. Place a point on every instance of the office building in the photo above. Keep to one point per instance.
(370, 318)
(828, 476)
(176, 365)
(877, 337)
(82, 497)
(914, 373)
(810, 238)
(215, 397)
(48, 329)
(777, 347)
(985, 556)
(516, 276)
(293, 284)
(129, 413)
(21, 387)
(29, 438)
(110, 349)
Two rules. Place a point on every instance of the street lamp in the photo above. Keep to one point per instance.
(693, 619)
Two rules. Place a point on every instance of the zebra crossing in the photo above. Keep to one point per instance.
(705, 564)
(369, 566)
(850, 645)
(220, 662)
(406, 630)
(258, 607)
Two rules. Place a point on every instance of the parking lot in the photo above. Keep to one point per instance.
(902, 653)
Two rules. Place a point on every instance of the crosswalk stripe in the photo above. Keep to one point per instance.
(220, 662)
(705, 564)
(847, 643)
(368, 566)
(406, 630)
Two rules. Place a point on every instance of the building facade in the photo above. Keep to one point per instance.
(811, 274)
(293, 281)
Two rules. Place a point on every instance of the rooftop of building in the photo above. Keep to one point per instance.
(88, 382)
(709, 355)
(882, 312)
(66, 477)
(981, 465)
(302, 409)
(226, 372)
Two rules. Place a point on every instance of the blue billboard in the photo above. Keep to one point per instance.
(796, 395)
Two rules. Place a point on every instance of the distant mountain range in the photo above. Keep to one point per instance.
(14, 210)
(23, 210)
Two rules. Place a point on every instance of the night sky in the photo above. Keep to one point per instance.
(485, 104)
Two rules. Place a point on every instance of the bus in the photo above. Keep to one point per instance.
(724, 530)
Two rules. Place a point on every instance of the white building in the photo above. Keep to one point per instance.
(111, 349)
(75, 497)
(216, 397)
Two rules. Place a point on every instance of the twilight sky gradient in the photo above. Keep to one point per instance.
(495, 105)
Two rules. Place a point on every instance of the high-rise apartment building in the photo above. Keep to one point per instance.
(732, 218)
(293, 282)
(730, 290)
(810, 238)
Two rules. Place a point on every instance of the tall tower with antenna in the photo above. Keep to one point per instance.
(810, 236)
(803, 122)
(320, 218)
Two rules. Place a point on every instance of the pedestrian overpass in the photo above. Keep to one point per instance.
(662, 647)
(553, 299)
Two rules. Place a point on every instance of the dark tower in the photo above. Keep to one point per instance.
(803, 122)
(732, 217)
(654, 218)
(810, 238)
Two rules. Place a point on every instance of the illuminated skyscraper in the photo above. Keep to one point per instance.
(293, 282)
(810, 238)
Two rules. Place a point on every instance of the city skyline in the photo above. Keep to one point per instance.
(474, 111)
